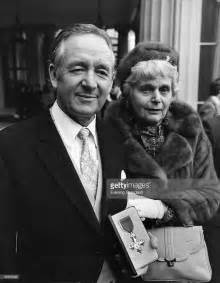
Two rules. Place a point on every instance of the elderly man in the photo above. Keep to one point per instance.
(51, 173)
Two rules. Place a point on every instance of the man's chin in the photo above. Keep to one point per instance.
(83, 114)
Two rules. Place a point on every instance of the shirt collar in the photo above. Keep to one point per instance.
(67, 127)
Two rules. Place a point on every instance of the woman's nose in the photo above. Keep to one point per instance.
(156, 96)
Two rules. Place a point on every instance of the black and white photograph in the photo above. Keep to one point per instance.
(109, 141)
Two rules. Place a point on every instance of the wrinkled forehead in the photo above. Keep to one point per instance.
(154, 81)
(85, 43)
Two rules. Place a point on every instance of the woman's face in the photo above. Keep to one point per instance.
(150, 99)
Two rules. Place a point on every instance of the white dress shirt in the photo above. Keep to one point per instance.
(68, 130)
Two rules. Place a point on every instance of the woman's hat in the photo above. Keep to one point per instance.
(145, 51)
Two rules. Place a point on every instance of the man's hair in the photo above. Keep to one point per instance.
(76, 29)
(150, 70)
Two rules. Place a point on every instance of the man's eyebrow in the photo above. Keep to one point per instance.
(77, 63)
(104, 66)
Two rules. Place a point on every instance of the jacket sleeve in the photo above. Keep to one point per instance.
(7, 226)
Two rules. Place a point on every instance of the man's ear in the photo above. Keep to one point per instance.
(113, 78)
(53, 75)
(114, 75)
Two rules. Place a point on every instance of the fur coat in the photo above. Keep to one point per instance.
(184, 165)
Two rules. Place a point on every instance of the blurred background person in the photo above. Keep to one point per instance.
(114, 95)
(212, 127)
(211, 106)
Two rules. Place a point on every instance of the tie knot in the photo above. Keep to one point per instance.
(84, 133)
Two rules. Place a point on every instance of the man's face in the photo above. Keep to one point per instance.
(150, 100)
(84, 76)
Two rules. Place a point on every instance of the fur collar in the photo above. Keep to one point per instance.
(182, 118)
(184, 126)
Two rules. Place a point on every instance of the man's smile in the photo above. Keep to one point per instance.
(87, 96)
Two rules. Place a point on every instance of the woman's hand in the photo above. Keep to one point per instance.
(146, 207)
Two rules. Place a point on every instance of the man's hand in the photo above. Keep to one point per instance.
(154, 245)
(153, 241)
(122, 264)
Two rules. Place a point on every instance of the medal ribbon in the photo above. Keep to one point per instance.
(127, 224)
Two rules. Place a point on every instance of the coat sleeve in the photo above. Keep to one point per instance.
(206, 179)
(7, 226)
(199, 200)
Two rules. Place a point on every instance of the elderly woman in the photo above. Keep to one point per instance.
(152, 135)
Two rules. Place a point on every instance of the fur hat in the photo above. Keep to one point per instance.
(145, 51)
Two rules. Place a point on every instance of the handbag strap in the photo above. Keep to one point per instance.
(169, 246)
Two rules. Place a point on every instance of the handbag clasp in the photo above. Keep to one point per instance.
(170, 263)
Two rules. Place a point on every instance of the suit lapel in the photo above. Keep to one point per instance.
(54, 155)
(100, 133)
(108, 154)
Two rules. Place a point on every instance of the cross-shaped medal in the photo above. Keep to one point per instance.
(136, 245)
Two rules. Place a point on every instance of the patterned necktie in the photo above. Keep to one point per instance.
(88, 166)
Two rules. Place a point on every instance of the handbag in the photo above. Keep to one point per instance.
(182, 255)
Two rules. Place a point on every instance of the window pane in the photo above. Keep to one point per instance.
(22, 75)
(206, 67)
(11, 75)
(10, 58)
(209, 20)
(20, 55)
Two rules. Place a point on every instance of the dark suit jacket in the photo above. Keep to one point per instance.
(48, 229)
